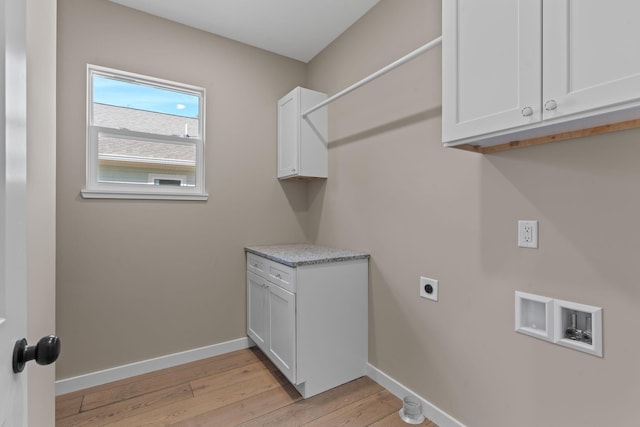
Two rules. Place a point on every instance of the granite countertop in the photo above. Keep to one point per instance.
(294, 255)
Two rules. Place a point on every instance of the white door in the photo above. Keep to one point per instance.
(13, 209)
(491, 76)
(590, 54)
(282, 330)
(257, 310)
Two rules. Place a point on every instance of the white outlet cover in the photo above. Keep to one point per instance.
(424, 281)
(528, 234)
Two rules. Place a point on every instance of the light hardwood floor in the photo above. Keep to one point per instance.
(241, 388)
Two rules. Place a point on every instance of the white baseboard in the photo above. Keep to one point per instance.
(69, 385)
(429, 410)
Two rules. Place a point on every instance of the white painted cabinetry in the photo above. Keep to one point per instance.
(310, 320)
(521, 69)
(302, 142)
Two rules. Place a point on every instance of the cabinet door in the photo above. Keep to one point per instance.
(491, 66)
(282, 330)
(590, 54)
(288, 134)
(257, 310)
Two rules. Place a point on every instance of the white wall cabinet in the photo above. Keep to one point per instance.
(311, 320)
(302, 142)
(515, 70)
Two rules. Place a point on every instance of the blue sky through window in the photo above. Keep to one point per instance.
(143, 97)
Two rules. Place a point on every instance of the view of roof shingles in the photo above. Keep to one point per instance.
(132, 150)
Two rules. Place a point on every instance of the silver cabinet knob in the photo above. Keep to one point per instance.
(527, 111)
(550, 105)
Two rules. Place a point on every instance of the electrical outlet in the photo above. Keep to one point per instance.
(528, 234)
(429, 288)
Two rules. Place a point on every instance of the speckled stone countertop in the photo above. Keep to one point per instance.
(302, 254)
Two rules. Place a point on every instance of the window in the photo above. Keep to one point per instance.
(145, 137)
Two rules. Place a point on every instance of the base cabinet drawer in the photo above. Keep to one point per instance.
(314, 330)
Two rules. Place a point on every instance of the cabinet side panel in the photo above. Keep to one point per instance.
(288, 133)
(332, 304)
(314, 136)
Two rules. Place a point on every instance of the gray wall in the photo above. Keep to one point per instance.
(452, 215)
(125, 294)
(141, 279)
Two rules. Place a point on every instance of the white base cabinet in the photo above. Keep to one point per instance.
(311, 320)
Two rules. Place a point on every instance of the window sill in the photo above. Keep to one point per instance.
(104, 194)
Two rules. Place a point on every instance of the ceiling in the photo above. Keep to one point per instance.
(298, 29)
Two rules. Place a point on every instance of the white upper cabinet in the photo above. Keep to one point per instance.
(516, 70)
(591, 55)
(495, 72)
(302, 142)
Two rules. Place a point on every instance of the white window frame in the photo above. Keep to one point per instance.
(111, 190)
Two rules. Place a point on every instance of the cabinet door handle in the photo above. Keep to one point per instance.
(550, 105)
(278, 276)
(527, 111)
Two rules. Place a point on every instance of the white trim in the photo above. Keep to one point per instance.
(148, 160)
(105, 194)
(429, 410)
(81, 382)
(126, 76)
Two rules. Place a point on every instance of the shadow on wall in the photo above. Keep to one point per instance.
(388, 127)
(316, 190)
(296, 194)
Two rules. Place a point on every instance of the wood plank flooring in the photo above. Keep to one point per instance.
(241, 388)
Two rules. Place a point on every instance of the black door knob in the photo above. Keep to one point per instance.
(45, 352)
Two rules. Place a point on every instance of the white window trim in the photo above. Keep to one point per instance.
(102, 190)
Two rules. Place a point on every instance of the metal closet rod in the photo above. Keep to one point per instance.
(419, 51)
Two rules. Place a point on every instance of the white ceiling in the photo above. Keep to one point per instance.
(298, 29)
